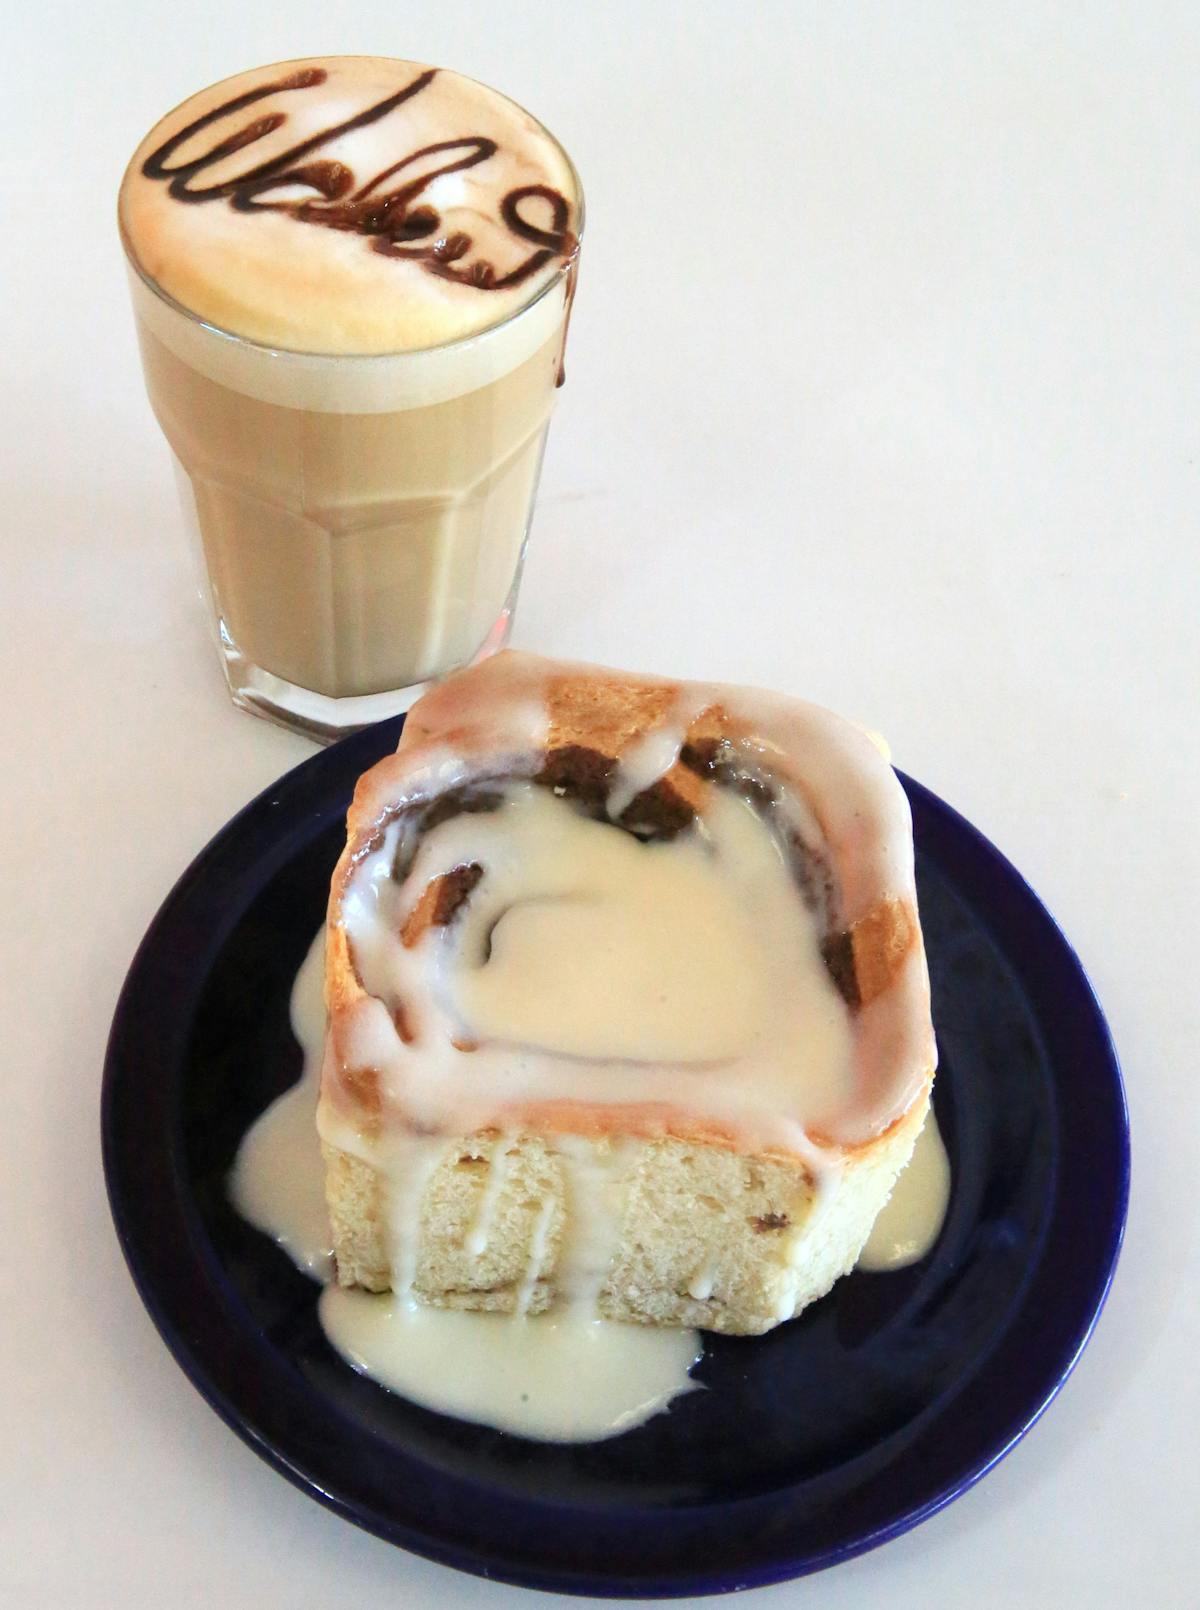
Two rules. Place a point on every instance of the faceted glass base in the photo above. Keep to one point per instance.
(316, 716)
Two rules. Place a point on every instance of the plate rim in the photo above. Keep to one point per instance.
(684, 1581)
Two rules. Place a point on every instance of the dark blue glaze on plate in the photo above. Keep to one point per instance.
(822, 1439)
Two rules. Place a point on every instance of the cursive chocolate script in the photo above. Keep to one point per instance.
(395, 219)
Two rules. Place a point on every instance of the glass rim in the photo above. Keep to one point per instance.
(562, 272)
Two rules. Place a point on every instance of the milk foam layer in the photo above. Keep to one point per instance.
(367, 384)
(445, 210)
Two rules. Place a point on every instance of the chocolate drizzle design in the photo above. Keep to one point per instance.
(395, 220)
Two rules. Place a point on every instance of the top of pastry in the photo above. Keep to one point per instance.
(743, 962)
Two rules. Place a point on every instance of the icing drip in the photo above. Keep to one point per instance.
(562, 1376)
(912, 1219)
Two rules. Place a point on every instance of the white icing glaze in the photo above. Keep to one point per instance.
(539, 1246)
(701, 1285)
(413, 1162)
(912, 1219)
(674, 968)
(596, 1176)
(268, 276)
(480, 1231)
(651, 756)
(837, 789)
(277, 1181)
(800, 1238)
(560, 1376)
(684, 973)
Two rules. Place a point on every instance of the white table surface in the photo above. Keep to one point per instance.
(882, 389)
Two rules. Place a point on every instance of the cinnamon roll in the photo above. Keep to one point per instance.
(628, 1004)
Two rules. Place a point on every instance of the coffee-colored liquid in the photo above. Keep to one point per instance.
(351, 277)
(355, 553)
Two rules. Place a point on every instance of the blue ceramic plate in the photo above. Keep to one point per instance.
(826, 1437)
